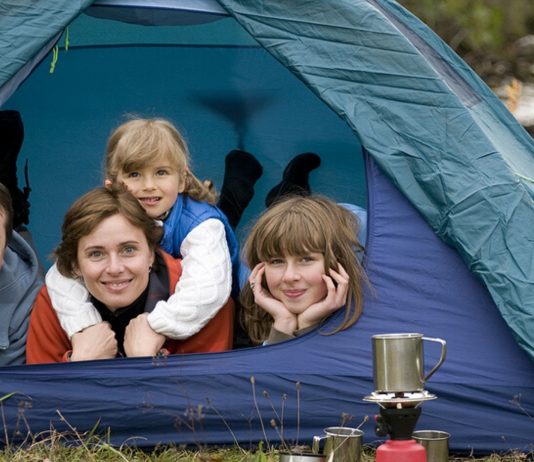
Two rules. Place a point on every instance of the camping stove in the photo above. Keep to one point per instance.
(399, 400)
(399, 390)
(399, 412)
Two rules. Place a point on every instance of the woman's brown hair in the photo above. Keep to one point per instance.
(92, 209)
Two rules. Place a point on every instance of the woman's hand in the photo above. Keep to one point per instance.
(284, 320)
(335, 298)
(140, 339)
(94, 342)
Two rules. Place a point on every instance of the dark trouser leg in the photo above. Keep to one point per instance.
(11, 137)
(241, 172)
(295, 179)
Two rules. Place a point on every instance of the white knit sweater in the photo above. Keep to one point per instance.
(201, 292)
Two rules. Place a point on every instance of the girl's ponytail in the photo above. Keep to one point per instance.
(202, 191)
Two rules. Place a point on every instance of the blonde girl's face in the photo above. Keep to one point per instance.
(296, 281)
(155, 187)
(114, 262)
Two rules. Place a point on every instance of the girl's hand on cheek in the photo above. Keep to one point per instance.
(335, 298)
(284, 320)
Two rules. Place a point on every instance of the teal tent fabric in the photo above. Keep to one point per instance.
(404, 92)
(26, 27)
(437, 132)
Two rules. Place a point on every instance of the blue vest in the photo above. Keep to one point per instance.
(185, 215)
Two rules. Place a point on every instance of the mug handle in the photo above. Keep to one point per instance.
(316, 444)
(441, 358)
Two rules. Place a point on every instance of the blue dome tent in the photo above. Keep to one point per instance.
(404, 128)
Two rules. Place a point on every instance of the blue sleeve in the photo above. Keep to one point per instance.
(361, 213)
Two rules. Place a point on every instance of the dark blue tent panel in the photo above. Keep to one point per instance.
(449, 198)
(484, 393)
(435, 128)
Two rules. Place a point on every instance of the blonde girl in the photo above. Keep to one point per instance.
(151, 158)
(303, 255)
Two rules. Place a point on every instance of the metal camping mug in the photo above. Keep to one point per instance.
(301, 457)
(398, 362)
(342, 444)
(436, 444)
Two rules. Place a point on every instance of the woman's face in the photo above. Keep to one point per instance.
(296, 281)
(114, 262)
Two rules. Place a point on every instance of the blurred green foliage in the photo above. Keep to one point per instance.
(483, 32)
(476, 24)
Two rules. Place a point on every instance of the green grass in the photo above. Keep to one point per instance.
(73, 446)
(54, 450)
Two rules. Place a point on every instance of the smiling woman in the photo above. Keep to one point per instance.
(114, 261)
(111, 244)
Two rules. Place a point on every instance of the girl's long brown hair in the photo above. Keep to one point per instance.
(297, 226)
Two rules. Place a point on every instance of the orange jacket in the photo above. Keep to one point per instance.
(48, 343)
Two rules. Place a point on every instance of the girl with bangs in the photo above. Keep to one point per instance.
(303, 252)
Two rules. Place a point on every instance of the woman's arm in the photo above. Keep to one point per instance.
(47, 342)
(70, 300)
(216, 336)
(275, 336)
(203, 288)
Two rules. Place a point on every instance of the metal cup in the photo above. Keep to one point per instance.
(289, 457)
(341, 444)
(398, 362)
(436, 444)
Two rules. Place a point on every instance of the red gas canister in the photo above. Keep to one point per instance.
(400, 451)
